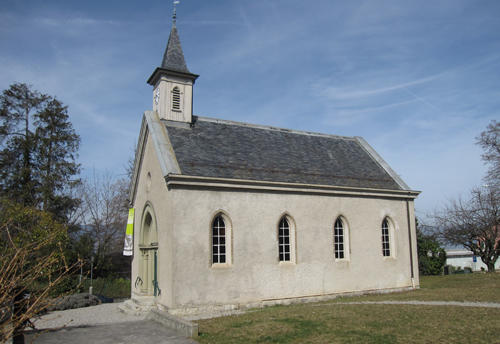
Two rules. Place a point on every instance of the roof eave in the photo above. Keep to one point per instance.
(158, 72)
(181, 180)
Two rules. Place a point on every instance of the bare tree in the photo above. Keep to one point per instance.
(474, 223)
(104, 208)
(489, 140)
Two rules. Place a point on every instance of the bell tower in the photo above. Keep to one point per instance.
(173, 82)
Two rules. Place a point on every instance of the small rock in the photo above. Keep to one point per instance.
(74, 301)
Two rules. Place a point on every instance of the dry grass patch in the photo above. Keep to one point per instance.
(478, 287)
(340, 323)
(332, 322)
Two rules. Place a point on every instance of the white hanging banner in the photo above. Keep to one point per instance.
(128, 248)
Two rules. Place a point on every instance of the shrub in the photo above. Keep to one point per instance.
(431, 256)
(116, 288)
(32, 264)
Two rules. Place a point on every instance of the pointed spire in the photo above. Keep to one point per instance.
(173, 63)
(173, 58)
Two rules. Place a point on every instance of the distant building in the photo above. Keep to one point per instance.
(231, 214)
(462, 258)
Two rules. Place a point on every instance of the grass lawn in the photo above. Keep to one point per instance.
(478, 287)
(331, 322)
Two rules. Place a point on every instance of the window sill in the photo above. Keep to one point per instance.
(342, 260)
(220, 266)
(286, 263)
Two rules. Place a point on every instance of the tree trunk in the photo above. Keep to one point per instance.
(491, 267)
(26, 157)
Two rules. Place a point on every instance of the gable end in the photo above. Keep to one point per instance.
(151, 125)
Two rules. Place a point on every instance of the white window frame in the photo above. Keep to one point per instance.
(387, 237)
(284, 244)
(216, 247)
(346, 250)
(338, 239)
(291, 240)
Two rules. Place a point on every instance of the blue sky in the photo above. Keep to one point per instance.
(419, 80)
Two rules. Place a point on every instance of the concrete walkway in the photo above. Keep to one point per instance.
(143, 331)
(100, 324)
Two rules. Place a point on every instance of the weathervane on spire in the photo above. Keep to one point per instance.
(174, 17)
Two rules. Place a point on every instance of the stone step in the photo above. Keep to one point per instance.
(137, 307)
(181, 326)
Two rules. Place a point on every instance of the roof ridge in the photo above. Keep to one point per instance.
(273, 128)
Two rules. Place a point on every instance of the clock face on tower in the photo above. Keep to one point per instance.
(157, 96)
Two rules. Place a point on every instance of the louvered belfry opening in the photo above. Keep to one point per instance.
(176, 99)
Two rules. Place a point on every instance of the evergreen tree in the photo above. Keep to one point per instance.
(57, 144)
(38, 151)
(18, 104)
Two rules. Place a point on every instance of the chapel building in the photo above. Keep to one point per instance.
(231, 214)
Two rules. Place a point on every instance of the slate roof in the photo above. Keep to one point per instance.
(173, 58)
(223, 149)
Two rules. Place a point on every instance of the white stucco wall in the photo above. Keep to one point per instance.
(154, 193)
(255, 273)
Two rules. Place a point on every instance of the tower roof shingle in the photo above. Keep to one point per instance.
(173, 58)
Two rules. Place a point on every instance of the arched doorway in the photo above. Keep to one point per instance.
(148, 247)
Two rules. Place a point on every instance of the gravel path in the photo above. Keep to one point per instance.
(107, 313)
(423, 303)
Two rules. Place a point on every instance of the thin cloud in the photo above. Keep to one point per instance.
(420, 99)
(211, 22)
(372, 109)
(72, 22)
(342, 93)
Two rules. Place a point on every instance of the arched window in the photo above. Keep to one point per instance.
(338, 239)
(386, 247)
(219, 235)
(176, 99)
(284, 240)
(148, 232)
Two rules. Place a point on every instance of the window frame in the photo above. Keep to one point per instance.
(292, 243)
(284, 244)
(346, 247)
(338, 239)
(227, 241)
(387, 238)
